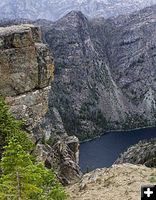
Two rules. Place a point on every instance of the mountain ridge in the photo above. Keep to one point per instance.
(29, 9)
(101, 69)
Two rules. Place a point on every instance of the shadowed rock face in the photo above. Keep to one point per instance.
(83, 86)
(63, 157)
(105, 72)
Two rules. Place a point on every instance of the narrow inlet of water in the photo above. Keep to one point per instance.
(104, 151)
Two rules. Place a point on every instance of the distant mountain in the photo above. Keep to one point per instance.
(54, 9)
(105, 72)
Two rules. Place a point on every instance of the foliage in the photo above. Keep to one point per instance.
(10, 127)
(134, 121)
(21, 179)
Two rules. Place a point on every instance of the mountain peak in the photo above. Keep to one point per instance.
(76, 15)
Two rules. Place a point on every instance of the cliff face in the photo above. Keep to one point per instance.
(26, 73)
(131, 53)
(84, 92)
(105, 72)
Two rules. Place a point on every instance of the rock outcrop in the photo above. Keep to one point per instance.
(26, 73)
(142, 153)
(116, 183)
(63, 157)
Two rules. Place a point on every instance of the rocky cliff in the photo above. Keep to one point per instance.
(116, 183)
(83, 85)
(105, 72)
(26, 73)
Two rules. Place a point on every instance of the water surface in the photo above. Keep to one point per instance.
(103, 151)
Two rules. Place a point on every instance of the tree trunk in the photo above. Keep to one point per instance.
(18, 186)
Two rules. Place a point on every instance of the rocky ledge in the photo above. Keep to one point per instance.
(116, 183)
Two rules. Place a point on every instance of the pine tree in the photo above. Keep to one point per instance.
(23, 180)
(20, 177)
(10, 127)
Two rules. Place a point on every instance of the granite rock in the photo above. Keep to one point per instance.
(26, 72)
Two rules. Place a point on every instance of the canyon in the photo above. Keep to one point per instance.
(104, 72)
(104, 79)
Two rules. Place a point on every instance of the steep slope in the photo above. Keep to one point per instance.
(26, 71)
(116, 183)
(105, 72)
(131, 53)
(54, 9)
(84, 92)
(142, 153)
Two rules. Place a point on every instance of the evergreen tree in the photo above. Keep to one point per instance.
(20, 177)
(23, 180)
(10, 127)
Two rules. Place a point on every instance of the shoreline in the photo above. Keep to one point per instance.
(118, 130)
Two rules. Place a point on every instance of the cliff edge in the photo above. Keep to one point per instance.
(26, 71)
(116, 183)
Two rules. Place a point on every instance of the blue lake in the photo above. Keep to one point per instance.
(103, 151)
